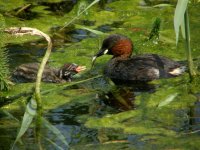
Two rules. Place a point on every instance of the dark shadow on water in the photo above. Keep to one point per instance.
(137, 86)
(25, 53)
(60, 7)
(64, 118)
(194, 117)
(112, 100)
(105, 28)
(122, 97)
(67, 115)
(25, 12)
(70, 34)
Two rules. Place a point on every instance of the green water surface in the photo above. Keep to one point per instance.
(164, 116)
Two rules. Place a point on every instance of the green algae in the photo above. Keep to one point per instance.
(154, 125)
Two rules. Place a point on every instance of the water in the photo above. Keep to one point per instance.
(90, 115)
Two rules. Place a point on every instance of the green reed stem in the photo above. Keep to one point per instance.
(192, 72)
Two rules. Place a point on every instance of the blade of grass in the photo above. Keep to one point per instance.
(37, 95)
(179, 16)
(52, 128)
(91, 30)
(168, 100)
(60, 87)
(192, 71)
(27, 119)
(54, 144)
(10, 115)
(162, 5)
(80, 13)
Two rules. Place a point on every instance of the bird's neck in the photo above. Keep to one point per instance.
(122, 57)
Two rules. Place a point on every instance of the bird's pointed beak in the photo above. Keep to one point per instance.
(93, 60)
(100, 53)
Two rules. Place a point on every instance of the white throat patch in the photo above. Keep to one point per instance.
(105, 52)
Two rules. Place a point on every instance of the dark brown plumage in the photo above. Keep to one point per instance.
(145, 67)
(28, 73)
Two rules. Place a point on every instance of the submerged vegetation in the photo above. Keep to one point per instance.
(4, 71)
(91, 112)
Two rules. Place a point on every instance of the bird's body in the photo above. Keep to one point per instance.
(28, 73)
(144, 67)
(141, 68)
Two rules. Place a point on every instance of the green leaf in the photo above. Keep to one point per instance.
(168, 100)
(80, 13)
(27, 119)
(179, 17)
(183, 29)
(57, 132)
(162, 5)
(9, 115)
(91, 30)
(54, 144)
(94, 2)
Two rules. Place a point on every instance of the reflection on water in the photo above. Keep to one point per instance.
(194, 115)
(66, 118)
(121, 98)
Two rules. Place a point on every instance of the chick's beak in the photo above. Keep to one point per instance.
(80, 68)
